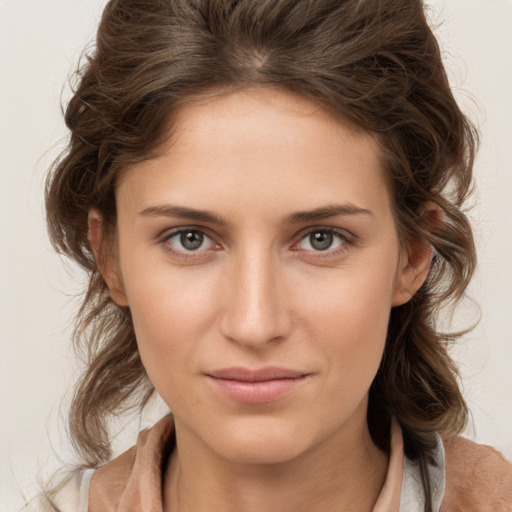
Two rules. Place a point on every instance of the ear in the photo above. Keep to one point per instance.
(415, 259)
(105, 259)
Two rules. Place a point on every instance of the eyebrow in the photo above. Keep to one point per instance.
(183, 213)
(323, 212)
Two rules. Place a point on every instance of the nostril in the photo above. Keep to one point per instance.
(255, 325)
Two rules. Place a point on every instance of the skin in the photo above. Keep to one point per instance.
(258, 292)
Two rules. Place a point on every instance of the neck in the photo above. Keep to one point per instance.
(343, 473)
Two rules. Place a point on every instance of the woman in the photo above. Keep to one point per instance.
(268, 197)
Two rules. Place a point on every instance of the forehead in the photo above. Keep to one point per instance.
(260, 142)
(255, 111)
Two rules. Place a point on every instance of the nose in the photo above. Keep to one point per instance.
(254, 309)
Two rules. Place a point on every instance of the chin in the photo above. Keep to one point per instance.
(275, 451)
(261, 442)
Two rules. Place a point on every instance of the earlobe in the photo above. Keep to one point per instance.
(416, 259)
(105, 259)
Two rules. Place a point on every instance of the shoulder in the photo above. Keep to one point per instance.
(135, 476)
(478, 478)
(109, 481)
(68, 493)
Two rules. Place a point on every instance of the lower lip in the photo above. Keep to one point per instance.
(259, 392)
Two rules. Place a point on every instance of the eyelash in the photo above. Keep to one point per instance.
(345, 242)
(184, 254)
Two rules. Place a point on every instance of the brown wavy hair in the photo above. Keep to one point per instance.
(375, 63)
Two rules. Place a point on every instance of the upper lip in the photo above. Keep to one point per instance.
(256, 375)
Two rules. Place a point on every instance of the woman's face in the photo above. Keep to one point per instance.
(260, 261)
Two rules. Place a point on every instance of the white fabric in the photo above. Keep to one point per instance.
(73, 497)
(412, 498)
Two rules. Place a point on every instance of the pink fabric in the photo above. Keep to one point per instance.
(389, 498)
(478, 478)
(133, 481)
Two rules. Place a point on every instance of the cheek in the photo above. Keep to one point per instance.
(357, 328)
(349, 319)
(172, 312)
(354, 300)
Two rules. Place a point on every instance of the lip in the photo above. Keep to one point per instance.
(256, 386)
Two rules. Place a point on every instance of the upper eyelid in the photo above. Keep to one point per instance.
(171, 232)
(304, 231)
(330, 229)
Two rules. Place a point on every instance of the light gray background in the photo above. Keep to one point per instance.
(40, 42)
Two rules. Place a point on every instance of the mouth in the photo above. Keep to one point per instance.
(256, 386)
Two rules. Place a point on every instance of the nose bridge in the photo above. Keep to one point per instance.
(254, 313)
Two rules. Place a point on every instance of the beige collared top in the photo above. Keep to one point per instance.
(479, 479)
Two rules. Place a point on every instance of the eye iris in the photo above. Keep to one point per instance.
(191, 240)
(321, 240)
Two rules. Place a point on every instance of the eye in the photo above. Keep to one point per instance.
(188, 241)
(322, 240)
